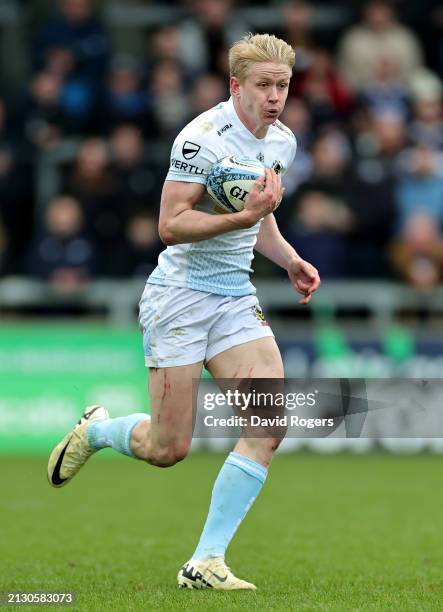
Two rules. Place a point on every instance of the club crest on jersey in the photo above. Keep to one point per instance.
(190, 149)
(261, 158)
(278, 166)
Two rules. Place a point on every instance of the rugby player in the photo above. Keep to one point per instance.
(199, 307)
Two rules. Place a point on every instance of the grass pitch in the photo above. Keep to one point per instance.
(327, 533)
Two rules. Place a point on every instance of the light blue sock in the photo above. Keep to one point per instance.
(237, 485)
(115, 433)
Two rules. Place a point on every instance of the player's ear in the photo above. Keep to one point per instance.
(234, 86)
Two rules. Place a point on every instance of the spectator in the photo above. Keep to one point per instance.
(53, 105)
(386, 93)
(78, 31)
(222, 63)
(124, 99)
(38, 114)
(139, 180)
(372, 200)
(322, 88)
(297, 118)
(16, 199)
(381, 142)
(297, 31)
(426, 127)
(63, 253)
(165, 44)
(297, 18)
(420, 189)
(91, 181)
(416, 255)
(210, 27)
(378, 36)
(137, 254)
(322, 217)
(206, 92)
(169, 100)
(77, 95)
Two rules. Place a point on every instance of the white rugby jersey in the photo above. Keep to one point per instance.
(221, 264)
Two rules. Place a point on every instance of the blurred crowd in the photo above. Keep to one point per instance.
(364, 197)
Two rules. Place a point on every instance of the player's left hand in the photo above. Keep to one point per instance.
(304, 278)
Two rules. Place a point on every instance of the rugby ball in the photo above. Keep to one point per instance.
(230, 180)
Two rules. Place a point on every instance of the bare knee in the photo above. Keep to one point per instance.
(260, 450)
(266, 448)
(273, 444)
(167, 456)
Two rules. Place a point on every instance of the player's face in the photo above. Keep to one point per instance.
(262, 94)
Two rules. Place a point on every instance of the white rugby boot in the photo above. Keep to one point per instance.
(73, 451)
(210, 574)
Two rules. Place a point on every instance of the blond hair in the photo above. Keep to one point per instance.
(258, 48)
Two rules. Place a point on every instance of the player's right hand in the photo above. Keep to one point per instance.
(264, 197)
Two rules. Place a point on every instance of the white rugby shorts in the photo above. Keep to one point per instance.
(181, 326)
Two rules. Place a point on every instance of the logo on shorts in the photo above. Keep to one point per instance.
(190, 149)
(258, 314)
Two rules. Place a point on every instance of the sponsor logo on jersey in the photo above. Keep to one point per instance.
(190, 149)
(225, 128)
(185, 167)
